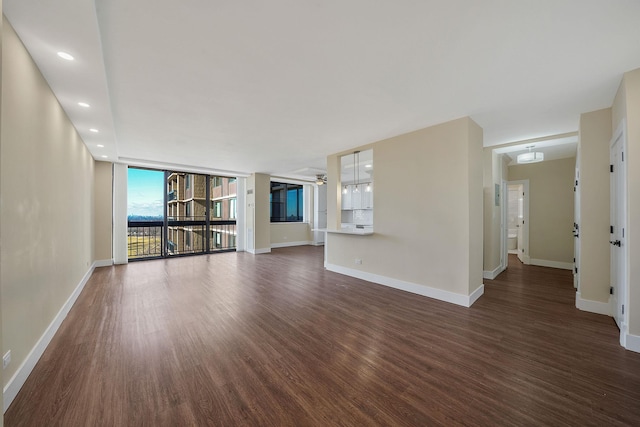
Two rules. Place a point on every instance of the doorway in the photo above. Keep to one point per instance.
(516, 227)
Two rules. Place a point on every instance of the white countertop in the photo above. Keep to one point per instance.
(352, 230)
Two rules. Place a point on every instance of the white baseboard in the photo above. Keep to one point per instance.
(103, 263)
(475, 295)
(288, 244)
(632, 342)
(17, 381)
(593, 306)
(552, 264)
(259, 251)
(490, 275)
(414, 288)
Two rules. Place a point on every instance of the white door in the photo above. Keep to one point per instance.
(504, 226)
(618, 238)
(576, 227)
(522, 221)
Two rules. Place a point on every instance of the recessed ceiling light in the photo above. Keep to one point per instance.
(93, 130)
(84, 104)
(65, 55)
(104, 157)
(367, 166)
(100, 146)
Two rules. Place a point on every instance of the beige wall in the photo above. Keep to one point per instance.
(103, 210)
(551, 211)
(627, 106)
(290, 232)
(594, 136)
(428, 210)
(492, 175)
(258, 219)
(1, 28)
(47, 204)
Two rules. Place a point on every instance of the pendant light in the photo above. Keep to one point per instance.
(356, 173)
(530, 156)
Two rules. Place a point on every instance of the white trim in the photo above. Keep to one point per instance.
(287, 244)
(17, 381)
(178, 167)
(475, 295)
(632, 343)
(414, 288)
(593, 306)
(103, 263)
(259, 251)
(552, 264)
(490, 275)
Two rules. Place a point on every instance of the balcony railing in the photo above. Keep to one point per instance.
(186, 236)
(145, 239)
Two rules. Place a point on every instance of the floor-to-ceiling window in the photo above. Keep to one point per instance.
(196, 214)
(145, 213)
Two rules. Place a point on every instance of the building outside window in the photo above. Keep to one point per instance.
(232, 208)
(287, 202)
(217, 209)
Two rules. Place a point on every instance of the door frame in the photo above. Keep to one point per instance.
(526, 259)
(504, 226)
(620, 296)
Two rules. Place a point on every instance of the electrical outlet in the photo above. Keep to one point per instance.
(358, 261)
(6, 359)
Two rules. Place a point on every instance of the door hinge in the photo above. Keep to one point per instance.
(576, 268)
(611, 229)
(574, 260)
(622, 156)
(622, 308)
(610, 168)
(610, 290)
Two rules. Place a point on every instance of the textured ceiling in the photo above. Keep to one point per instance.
(276, 86)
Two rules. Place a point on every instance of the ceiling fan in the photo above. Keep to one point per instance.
(321, 179)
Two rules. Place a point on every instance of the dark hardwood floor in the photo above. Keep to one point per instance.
(275, 340)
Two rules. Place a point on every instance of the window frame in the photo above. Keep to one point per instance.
(301, 196)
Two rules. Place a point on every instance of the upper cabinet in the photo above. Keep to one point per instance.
(356, 180)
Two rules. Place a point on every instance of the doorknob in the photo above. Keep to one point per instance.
(615, 243)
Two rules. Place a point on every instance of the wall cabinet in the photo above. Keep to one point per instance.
(360, 199)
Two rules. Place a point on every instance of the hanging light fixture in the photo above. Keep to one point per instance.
(530, 156)
(356, 173)
(321, 179)
(368, 187)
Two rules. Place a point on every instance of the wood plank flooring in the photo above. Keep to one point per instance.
(275, 340)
